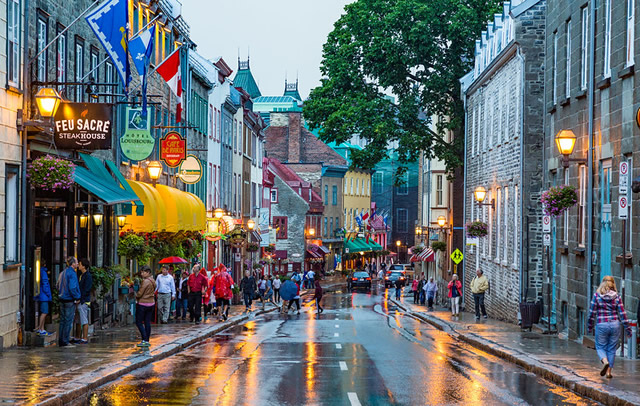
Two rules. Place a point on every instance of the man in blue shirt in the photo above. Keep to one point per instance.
(69, 294)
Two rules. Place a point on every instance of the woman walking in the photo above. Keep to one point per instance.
(455, 291)
(144, 308)
(414, 289)
(607, 312)
(318, 296)
(296, 299)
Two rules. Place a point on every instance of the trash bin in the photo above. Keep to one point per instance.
(529, 314)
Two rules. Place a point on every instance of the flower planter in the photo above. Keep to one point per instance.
(124, 290)
(51, 173)
(477, 229)
(559, 199)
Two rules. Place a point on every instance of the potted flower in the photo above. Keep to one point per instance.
(557, 200)
(439, 246)
(253, 247)
(477, 229)
(51, 173)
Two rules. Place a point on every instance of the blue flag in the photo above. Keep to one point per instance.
(141, 48)
(110, 22)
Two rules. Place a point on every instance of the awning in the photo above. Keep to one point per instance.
(313, 254)
(255, 236)
(414, 258)
(357, 245)
(427, 255)
(374, 245)
(125, 208)
(167, 209)
(324, 250)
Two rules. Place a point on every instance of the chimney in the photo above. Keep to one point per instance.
(295, 143)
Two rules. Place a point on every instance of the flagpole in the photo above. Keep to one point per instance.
(156, 68)
(108, 57)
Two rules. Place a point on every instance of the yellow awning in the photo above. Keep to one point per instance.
(167, 209)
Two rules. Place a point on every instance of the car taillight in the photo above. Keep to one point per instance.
(402, 277)
(368, 279)
(386, 277)
(355, 279)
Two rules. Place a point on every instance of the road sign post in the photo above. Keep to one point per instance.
(456, 256)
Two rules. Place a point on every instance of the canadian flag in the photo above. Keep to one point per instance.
(170, 72)
(365, 216)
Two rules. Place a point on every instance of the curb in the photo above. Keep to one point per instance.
(83, 384)
(558, 375)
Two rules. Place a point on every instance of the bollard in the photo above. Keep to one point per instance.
(632, 343)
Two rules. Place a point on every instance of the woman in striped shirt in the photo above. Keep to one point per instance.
(607, 311)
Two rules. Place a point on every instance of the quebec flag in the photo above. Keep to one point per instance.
(110, 22)
(141, 48)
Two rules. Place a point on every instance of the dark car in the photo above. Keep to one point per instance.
(359, 280)
(391, 278)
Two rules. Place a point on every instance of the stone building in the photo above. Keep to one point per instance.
(595, 96)
(503, 98)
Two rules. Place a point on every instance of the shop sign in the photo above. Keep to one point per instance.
(83, 126)
(137, 143)
(173, 149)
(190, 170)
(237, 237)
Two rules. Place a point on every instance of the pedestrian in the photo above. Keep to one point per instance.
(211, 295)
(607, 312)
(262, 288)
(268, 294)
(431, 289)
(44, 299)
(248, 288)
(166, 290)
(183, 296)
(422, 293)
(85, 283)
(311, 277)
(296, 299)
(145, 306)
(224, 291)
(69, 295)
(479, 285)
(318, 297)
(455, 291)
(197, 287)
(399, 284)
(276, 288)
(414, 289)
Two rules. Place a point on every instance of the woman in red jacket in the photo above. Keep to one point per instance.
(455, 291)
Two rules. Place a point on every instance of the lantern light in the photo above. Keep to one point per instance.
(442, 220)
(155, 171)
(251, 224)
(218, 213)
(121, 220)
(97, 218)
(480, 193)
(48, 100)
(566, 141)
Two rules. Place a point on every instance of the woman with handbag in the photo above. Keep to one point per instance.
(455, 291)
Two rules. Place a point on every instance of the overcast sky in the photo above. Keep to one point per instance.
(284, 37)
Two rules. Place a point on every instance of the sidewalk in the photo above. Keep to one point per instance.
(563, 362)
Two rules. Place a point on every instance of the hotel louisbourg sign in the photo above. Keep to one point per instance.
(83, 126)
(137, 143)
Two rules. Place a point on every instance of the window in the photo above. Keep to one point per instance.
(439, 199)
(351, 181)
(331, 227)
(357, 186)
(606, 69)
(516, 218)
(61, 56)
(79, 68)
(584, 58)
(403, 220)
(505, 224)
(631, 23)
(108, 77)
(274, 195)
(11, 214)
(334, 195)
(280, 224)
(490, 215)
(499, 235)
(554, 84)
(567, 80)
(378, 179)
(326, 227)
(582, 199)
(338, 223)
(42, 42)
(403, 187)
(13, 41)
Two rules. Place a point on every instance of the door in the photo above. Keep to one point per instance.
(605, 218)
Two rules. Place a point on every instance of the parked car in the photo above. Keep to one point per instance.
(406, 268)
(393, 276)
(359, 280)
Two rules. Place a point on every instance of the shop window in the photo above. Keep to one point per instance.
(11, 214)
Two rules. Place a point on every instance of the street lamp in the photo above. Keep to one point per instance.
(566, 141)
(48, 101)
(218, 213)
(418, 230)
(480, 193)
(155, 171)
(251, 224)
(84, 219)
(442, 220)
(97, 217)
(312, 232)
(121, 220)
(398, 243)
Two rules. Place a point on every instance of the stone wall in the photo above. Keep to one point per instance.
(291, 205)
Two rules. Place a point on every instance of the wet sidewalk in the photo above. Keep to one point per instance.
(563, 362)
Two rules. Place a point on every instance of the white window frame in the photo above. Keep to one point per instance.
(582, 205)
(11, 215)
(498, 222)
(41, 38)
(14, 41)
(516, 224)
(79, 69)
(584, 59)
(567, 84)
(505, 245)
(490, 240)
(554, 84)
(631, 32)
(439, 190)
(606, 69)
(403, 189)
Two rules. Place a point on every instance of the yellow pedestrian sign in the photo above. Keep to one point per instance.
(457, 256)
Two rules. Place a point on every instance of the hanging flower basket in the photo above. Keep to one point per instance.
(439, 246)
(253, 247)
(477, 229)
(557, 200)
(51, 173)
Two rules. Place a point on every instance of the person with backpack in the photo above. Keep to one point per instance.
(224, 291)
(431, 289)
(248, 288)
(455, 291)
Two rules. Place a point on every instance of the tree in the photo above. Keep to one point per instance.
(415, 50)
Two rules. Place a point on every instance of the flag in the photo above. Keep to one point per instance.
(365, 216)
(141, 48)
(110, 22)
(170, 72)
(359, 220)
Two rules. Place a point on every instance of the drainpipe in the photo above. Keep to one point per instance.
(590, 96)
(524, 263)
(464, 195)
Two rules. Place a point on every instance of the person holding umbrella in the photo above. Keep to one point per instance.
(289, 290)
(295, 299)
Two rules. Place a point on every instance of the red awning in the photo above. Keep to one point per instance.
(414, 258)
(427, 255)
(313, 254)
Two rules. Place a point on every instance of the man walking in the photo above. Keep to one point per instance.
(69, 294)
(197, 286)
(166, 290)
(479, 285)
(431, 288)
(276, 289)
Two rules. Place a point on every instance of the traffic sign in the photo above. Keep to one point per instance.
(623, 208)
(546, 239)
(624, 174)
(546, 224)
(457, 256)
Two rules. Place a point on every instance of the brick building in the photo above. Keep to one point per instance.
(503, 98)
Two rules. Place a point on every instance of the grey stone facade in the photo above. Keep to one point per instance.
(291, 205)
(503, 144)
(615, 131)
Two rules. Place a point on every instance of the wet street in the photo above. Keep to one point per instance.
(360, 351)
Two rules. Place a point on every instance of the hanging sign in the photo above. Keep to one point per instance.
(190, 170)
(83, 126)
(137, 143)
(173, 149)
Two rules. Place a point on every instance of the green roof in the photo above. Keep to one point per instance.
(293, 93)
(244, 79)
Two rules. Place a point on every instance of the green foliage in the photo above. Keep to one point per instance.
(134, 247)
(103, 279)
(439, 246)
(416, 50)
(51, 173)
